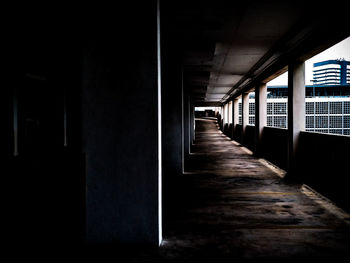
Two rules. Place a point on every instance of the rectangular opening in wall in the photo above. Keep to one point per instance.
(251, 119)
(201, 112)
(277, 102)
(251, 109)
(240, 111)
(327, 89)
(230, 112)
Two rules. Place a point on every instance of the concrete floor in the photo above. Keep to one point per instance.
(230, 206)
(235, 206)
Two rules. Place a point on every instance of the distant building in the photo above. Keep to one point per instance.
(331, 72)
(327, 108)
(330, 78)
(281, 91)
(323, 114)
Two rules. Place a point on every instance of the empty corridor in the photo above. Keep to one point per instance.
(230, 204)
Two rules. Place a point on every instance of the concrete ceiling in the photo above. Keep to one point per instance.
(226, 44)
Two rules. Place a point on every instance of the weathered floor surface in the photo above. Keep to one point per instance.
(230, 206)
(234, 206)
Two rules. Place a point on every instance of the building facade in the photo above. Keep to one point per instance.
(323, 114)
(331, 72)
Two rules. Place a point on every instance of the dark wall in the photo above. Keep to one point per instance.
(172, 119)
(230, 130)
(322, 159)
(275, 146)
(323, 162)
(120, 128)
(45, 179)
(249, 138)
(103, 68)
(237, 133)
(219, 121)
(274, 143)
(226, 129)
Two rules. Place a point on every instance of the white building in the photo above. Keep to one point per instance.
(323, 114)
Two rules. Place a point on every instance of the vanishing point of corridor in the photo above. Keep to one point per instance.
(234, 205)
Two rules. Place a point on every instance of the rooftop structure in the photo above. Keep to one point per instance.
(281, 91)
(331, 72)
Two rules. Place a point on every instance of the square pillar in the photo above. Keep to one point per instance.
(296, 110)
(183, 108)
(172, 113)
(230, 112)
(192, 124)
(260, 115)
(227, 114)
(245, 113)
(222, 118)
(218, 115)
(230, 121)
(226, 122)
(186, 123)
(123, 152)
(222, 113)
(232, 118)
(235, 117)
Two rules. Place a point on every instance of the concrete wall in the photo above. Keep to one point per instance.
(321, 159)
(120, 130)
(226, 129)
(237, 133)
(274, 143)
(186, 121)
(249, 137)
(219, 118)
(323, 162)
(171, 115)
(275, 146)
(172, 120)
(230, 130)
(43, 179)
(106, 69)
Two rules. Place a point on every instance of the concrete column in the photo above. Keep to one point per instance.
(235, 115)
(245, 114)
(217, 113)
(260, 115)
(227, 114)
(15, 123)
(226, 123)
(233, 118)
(223, 114)
(121, 126)
(230, 111)
(183, 120)
(230, 119)
(192, 124)
(222, 118)
(186, 121)
(172, 122)
(172, 115)
(296, 110)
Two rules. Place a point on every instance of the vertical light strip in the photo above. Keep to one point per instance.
(189, 124)
(159, 131)
(15, 124)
